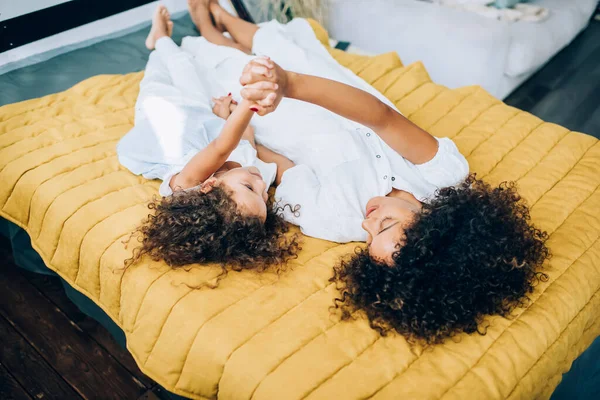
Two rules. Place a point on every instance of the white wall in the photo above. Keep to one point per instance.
(13, 8)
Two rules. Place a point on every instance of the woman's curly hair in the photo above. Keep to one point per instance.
(194, 227)
(470, 252)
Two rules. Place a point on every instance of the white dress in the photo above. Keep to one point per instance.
(174, 119)
(340, 164)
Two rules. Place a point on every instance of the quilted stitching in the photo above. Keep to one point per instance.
(265, 337)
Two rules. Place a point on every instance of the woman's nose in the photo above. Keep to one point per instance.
(367, 226)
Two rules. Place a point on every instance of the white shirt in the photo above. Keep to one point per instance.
(333, 203)
(174, 119)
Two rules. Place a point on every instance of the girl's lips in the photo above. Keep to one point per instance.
(370, 210)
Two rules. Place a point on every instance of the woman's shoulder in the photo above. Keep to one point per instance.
(448, 167)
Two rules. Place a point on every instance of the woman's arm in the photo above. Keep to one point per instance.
(410, 141)
(208, 160)
(263, 78)
(269, 156)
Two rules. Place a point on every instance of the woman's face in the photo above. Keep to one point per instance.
(385, 221)
(247, 189)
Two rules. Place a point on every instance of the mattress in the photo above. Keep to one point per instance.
(273, 337)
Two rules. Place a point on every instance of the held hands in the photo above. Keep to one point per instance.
(265, 83)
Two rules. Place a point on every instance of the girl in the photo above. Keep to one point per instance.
(216, 206)
(444, 248)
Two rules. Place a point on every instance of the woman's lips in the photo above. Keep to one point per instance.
(370, 210)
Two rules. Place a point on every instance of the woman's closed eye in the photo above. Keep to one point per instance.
(385, 224)
(249, 186)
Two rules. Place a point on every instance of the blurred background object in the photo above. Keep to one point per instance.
(285, 10)
(458, 47)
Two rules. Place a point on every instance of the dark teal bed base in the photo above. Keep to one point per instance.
(582, 382)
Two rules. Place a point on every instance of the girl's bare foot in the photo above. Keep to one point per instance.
(161, 26)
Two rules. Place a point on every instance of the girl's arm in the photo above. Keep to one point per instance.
(269, 156)
(406, 138)
(224, 106)
(208, 160)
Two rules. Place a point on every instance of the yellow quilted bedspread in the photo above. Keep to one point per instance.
(269, 337)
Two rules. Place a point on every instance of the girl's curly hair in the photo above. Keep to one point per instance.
(471, 251)
(194, 227)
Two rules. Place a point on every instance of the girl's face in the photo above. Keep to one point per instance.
(247, 189)
(385, 221)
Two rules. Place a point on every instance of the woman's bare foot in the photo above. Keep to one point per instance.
(216, 12)
(197, 10)
(201, 8)
(161, 26)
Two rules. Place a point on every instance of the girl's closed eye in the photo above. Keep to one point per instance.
(249, 186)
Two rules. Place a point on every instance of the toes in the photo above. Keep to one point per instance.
(159, 11)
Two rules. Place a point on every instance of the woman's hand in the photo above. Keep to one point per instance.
(224, 106)
(265, 83)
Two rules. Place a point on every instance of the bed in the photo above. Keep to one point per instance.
(273, 337)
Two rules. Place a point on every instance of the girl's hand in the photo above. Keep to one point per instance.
(265, 83)
(224, 106)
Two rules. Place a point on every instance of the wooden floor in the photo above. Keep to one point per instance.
(50, 350)
(567, 90)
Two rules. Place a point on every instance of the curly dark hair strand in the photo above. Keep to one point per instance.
(194, 227)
